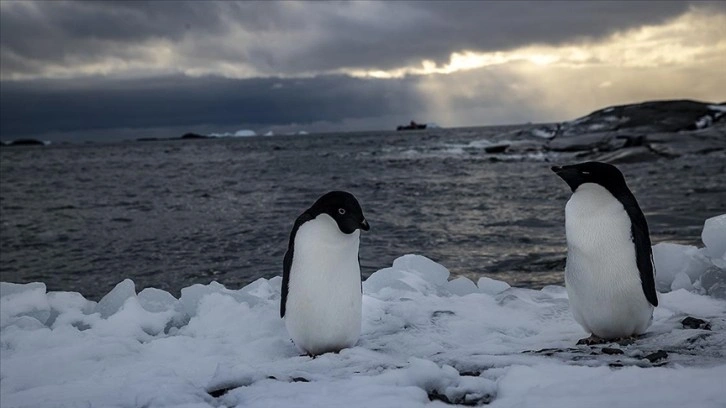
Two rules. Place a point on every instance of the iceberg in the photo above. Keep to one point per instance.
(427, 337)
(239, 133)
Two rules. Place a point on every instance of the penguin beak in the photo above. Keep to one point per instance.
(364, 225)
(564, 171)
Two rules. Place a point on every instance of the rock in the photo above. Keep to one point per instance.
(629, 155)
(611, 351)
(500, 148)
(587, 141)
(693, 323)
(650, 117)
(657, 356)
(25, 142)
(194, 136)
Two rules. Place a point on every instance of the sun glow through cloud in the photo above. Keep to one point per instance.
(693, 38)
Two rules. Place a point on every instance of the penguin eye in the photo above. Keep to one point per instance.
(341, 211)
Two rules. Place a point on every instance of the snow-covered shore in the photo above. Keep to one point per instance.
(426, 340)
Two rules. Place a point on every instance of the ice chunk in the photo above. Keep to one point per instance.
(112, 302)
(18, 300)
(260, 288)
(461, 286)
(408, 273)
(192, 295)
(68, 302)
(244, 133)
(491, 286)
(714, 237)
(157, 300)
(672, 259)
(132, 320)
(681, 281)
(391, 279)
(276, 284)
(714, 282)
(424, 267)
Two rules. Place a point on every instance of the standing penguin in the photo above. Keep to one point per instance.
(609, 275)
(321, 280)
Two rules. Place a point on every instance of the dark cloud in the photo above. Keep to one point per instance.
(289, 38)
(43, 106)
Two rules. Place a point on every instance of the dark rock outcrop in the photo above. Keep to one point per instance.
(194, 136)
(629, 133)
(25, 142)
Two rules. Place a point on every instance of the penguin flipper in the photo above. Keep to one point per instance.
(287, 261)
(643, 251)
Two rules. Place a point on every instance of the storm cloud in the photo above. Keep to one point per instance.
(45, 106)
(80, 66)
(287, 38)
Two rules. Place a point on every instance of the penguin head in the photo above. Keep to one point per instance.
(342, 207)
(600, 173)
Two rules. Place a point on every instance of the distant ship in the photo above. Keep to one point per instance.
(412, 126)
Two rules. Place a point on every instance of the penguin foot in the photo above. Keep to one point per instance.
(623, 341)
(592, 340)
(626, 341)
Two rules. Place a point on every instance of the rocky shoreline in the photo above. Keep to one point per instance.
(626, 133)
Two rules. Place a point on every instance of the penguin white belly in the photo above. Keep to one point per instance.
(323, 310)
(601, 275)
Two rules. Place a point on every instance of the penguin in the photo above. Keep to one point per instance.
(321, 280)
(609, 273)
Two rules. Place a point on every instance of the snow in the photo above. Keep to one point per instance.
(544, 133)
(704, 122)
(427, 339)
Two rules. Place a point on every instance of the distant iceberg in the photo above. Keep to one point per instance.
(269, 133)
(239, 133)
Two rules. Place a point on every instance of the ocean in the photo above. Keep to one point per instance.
(169, 214)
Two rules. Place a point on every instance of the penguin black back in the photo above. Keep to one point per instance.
(343, 208)
(609, 177)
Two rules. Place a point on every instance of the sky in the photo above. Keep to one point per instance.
(118, 69)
